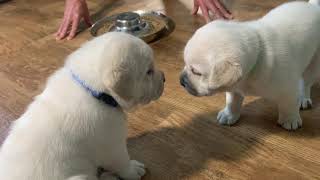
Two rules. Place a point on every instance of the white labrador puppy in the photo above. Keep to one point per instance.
(276, 57)
(78, 122)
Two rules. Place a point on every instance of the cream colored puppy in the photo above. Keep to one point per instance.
(276, 57)
(78, 122)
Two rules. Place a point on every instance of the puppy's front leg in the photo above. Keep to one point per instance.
(124, 167)
(231, 113)
(108, 176)
(305, 100)
(289, 117)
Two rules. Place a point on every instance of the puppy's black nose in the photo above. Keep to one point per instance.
(183, 81)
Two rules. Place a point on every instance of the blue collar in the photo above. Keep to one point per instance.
(101, 96)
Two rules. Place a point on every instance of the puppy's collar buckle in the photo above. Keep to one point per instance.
(101, 96)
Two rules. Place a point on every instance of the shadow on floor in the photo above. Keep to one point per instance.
(177, 152)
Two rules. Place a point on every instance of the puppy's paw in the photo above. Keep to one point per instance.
(225, 117)
(135, 171)
(305, 103)
(108, 176)
(291, 123)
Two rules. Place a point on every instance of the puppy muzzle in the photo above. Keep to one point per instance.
(183, 80)
(185, 83)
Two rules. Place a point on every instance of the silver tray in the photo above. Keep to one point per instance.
(149, 26)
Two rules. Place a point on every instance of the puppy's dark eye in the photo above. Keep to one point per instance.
(150, 72)
(195, 72)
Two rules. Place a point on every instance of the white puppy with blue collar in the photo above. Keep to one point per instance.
(78, 123)
(276, 57)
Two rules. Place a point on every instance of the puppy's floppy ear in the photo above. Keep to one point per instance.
(225, 74)
(120, 83)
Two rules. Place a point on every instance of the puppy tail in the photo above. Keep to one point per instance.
(315, 2)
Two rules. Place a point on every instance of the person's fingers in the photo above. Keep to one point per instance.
(222, 9)
(204, 11)
(86, 16)
(65, 15)
(60, 28)
(195, 7)
(65, 24)
(65, 29)
(74, 27)
(215, 10)
(74, 12)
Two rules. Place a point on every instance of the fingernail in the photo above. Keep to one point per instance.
(70, 37)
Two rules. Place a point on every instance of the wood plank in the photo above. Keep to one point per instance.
(176, 137)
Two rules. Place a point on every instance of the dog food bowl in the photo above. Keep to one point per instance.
(149, 26)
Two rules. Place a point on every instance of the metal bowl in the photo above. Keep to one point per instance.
(149, 26)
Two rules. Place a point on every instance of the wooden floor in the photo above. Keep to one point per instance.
(176, 137)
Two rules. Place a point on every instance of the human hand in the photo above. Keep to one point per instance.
(215, 6)
(74, 11)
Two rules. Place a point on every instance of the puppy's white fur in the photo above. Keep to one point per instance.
(276, 57)
(66, 133)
